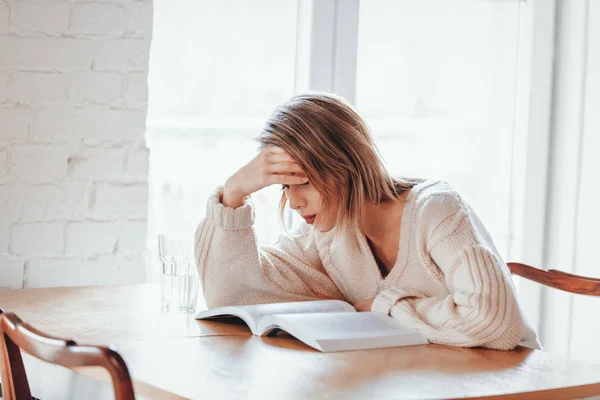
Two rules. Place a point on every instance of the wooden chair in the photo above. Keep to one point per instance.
(557, 279)
(17, 336)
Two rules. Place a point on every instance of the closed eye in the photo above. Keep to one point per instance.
(283, 187)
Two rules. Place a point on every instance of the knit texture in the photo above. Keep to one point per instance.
(449, 281)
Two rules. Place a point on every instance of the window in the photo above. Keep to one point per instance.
(217, 69)
(440, 105)
(436, 81)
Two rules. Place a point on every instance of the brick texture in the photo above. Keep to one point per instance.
(38, 238)
(73, 163)
(12, 276)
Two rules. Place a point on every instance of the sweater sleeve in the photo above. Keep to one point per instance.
(481, 307)
(234, 270)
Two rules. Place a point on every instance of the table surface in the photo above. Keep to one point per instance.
(172, 356)
(99, 314)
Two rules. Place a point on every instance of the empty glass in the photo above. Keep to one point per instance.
(179, 278)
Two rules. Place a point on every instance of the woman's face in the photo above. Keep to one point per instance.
(306, 200)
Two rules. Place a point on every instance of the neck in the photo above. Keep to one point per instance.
(380, 220)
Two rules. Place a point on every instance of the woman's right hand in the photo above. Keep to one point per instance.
(271, 166)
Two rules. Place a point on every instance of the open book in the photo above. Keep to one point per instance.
(326, 325)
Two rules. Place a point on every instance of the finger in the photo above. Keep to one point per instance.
(276, 149)
(286, 180)
(280, 157)
(301, 174)
(285, 168)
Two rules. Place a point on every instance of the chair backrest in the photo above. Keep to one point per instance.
(17, 335)
(557, 279)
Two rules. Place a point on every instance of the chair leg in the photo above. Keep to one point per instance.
(15, 385)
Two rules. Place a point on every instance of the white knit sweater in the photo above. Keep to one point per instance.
(449, 282)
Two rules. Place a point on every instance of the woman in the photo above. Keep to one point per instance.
(409, 248)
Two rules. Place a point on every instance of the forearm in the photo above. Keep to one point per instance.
(230, 269)
(481, 309)
(234, 270)
(227, 256)
(444, 322)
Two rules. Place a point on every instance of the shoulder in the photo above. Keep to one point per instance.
(437, 198)
(437, 206)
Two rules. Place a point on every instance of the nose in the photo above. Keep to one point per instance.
(296, 200)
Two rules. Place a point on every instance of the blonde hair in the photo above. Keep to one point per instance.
(335, 148)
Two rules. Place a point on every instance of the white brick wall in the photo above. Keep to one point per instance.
(36, 17)
(37, 239)
(15, 123)
(4, 235)
(97, 165)
(3, 163)
(98, 19)
(36, 87)
(46, 52)
(136, 166)
(94, 87)
(3, 16)
(46, 202)
(77, 241)
(121, 201)
(73, 164)
(132, 236)
(12, 275)
(38, 163)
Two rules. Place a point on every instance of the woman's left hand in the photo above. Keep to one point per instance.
(364, 305)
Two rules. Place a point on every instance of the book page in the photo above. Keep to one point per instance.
(252, 314)
(258, 311)
(344, 325)
(343, 331)
(230, 311)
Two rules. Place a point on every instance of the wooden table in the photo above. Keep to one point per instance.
(97, 315)
(193, 359)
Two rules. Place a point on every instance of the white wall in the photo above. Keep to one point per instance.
(570, 323)
(73, 164)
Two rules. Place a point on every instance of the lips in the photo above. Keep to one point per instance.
(309, 219)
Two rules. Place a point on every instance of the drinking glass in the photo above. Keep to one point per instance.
(179, 278)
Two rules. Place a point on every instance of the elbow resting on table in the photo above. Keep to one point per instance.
(502, 332)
